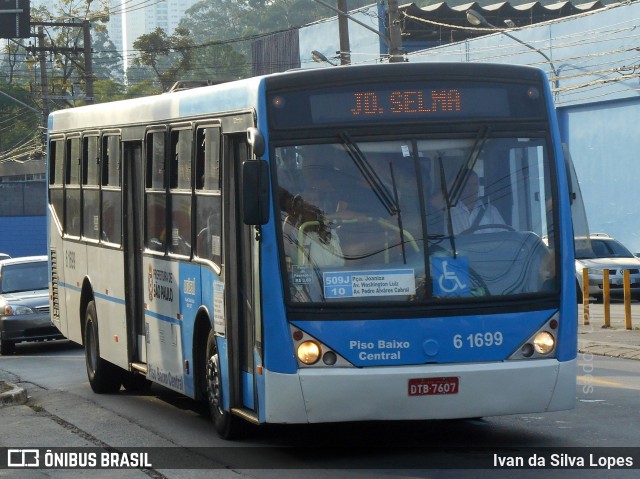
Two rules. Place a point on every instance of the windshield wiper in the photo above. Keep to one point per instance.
(397, 202)
(390, 203)
(445, 198)
(465, 170)
(369, 174)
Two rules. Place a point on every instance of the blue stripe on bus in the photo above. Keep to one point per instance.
(162, 317)
(106, 297)
(121, 301)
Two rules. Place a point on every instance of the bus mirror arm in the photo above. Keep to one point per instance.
(255, 192)
(256, 140)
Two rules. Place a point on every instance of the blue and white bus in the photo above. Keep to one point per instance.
(377, 242)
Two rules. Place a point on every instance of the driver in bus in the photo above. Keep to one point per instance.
(472, 212)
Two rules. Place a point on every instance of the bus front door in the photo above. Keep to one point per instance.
(241, 278)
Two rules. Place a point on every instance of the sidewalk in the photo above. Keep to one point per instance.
(10, 394)
(616, 341)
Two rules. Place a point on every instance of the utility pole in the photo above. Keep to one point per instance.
(396, 52)
(88, 62)
(44, 86)
(87, 68)
(343, 31)
(393, 44)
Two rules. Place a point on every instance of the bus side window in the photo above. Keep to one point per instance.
(56, 177)
(72, 191)
(180, 184)
(111, 212)
(90, 188)
(155, 192)
(208, 194)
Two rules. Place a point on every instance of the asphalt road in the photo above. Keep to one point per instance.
(63, 411)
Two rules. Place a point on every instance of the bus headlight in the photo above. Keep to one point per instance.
(309, 352)
(544, 342)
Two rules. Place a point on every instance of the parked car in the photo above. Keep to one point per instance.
(604, 252)
(24, 302)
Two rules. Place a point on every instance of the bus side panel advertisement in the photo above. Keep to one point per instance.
(164, 324)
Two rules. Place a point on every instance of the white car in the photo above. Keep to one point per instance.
(24, 302)
(604, 252)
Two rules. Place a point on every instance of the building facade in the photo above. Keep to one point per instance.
(129, 20)
(591, 58)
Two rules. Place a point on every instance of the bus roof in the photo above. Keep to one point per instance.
(244, 94)
(232, 96)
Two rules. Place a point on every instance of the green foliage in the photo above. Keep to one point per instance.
(229, 26)
(18, 124)
(168, 56)
(143, 88)
(108, 90)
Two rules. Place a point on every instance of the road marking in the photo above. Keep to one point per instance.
(604, 382)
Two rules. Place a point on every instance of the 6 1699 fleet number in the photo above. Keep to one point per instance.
(478, 340)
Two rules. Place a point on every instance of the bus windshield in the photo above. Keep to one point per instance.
(415, 220)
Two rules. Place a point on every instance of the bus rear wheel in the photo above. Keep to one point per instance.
(227, 425)
(7, 347)
(103, 376)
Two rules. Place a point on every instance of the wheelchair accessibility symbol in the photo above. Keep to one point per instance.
(450, 276)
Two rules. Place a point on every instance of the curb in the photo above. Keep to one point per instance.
(611, 350)
(11, 395)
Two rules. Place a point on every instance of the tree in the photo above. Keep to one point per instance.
(233, 24)
(14, 54)
(168, 56)
(107, 61)
(66, 75)
(19, 125)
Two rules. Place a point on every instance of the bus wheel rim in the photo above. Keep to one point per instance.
(214, 388)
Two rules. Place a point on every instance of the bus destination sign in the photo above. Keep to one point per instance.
(405, 102)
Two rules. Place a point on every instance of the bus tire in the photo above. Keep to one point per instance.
(7, 347)
(227, 425)
(103, 376)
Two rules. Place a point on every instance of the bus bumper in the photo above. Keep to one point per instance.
(317, 395)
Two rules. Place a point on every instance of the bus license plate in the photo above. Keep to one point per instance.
(433, 386)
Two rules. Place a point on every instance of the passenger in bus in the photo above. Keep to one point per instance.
(368, 232)
(472, 212)
(308, 236)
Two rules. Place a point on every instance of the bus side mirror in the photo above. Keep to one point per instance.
(256, 141)
(255, 192)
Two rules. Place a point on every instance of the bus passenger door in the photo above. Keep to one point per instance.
(133, 180)
(241, 278)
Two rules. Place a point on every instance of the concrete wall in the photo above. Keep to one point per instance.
(23, 235)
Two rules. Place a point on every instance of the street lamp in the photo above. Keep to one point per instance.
(474, 18)
(320, 58)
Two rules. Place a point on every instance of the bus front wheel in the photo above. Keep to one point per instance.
(227, 425)
(103, 376)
